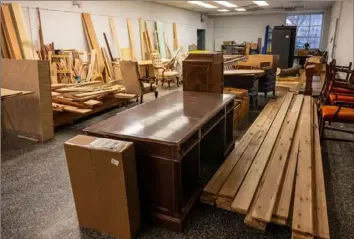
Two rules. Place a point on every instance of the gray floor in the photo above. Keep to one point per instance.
(37, 200)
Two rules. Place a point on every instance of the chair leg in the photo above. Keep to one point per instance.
(274, 93)
(162, 81)
(169, 84)
(137, 99)
(265, 94)
(156, 94)
(141, 99)
(322, 124)
(177, 79)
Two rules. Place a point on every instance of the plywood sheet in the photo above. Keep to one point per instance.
(32, 114)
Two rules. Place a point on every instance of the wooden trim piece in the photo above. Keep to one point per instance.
(266, 201)
(107, 63)
(148, 36)
(302, 220)
(321, 228)
(235, 179)
(4, 47)
(114, 34)
(25, 43)
(242, 201)
(141, 34)
(131, 40)
(175, 37)
(214, 185)
(10, 33)
(92, 38)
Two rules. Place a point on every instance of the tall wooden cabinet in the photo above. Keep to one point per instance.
(203, 72)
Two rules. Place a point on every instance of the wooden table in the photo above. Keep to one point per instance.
(244, 79)
(171, 135)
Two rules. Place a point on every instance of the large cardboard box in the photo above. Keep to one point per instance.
(104, 183)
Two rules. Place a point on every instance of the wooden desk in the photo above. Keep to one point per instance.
(171, 135)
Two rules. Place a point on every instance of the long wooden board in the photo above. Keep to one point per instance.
(235, 179)
(148, 36)
(302, 220)
(10, 33)
(112, 25)
(141, 34)
(283, 204)
(25, 43)
(247, 191)
(175, 37)
(131, 40)
(212, 188)
(321, 228)
(92, 38)
(265, 203)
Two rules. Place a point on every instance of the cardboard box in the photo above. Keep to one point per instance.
(104, 183)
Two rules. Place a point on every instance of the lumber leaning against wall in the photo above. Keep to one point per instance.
(31, 115)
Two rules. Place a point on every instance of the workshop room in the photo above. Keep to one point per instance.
(177, 119)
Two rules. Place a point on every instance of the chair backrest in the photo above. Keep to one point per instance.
(156, 62)
(130, 75)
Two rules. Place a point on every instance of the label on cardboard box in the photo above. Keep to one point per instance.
(109, 144)
(114, 161)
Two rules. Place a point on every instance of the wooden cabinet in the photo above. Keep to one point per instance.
(203, 72)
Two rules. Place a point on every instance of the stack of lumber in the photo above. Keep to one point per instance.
(86, 98)
(274, 174)
(15, 43)
(6, 93)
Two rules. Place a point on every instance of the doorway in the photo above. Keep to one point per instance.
(201, 39)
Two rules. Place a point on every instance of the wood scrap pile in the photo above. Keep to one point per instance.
(84, 98)
(274, 174)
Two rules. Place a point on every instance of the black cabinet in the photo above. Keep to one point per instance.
(283, 44)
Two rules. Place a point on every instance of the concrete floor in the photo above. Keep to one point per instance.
(37, 200)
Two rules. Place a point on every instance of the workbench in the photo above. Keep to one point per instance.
(171, 135)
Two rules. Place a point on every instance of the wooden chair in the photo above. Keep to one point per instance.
(163, 73)
(334, 107)
(133, 83)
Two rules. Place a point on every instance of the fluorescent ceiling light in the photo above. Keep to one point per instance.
(203, 4)
(241, 9)
(261, 3)
(226, 3)
(223, 10)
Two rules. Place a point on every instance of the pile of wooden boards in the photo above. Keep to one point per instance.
(275, 172)
(242, 103)
(86, 98)
(15, 43)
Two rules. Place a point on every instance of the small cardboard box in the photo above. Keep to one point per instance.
(104, 183)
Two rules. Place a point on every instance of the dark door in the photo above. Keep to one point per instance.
(281, 46)
(201, 39)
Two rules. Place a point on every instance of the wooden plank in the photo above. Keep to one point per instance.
(141, 34)
(242, 201)
(91, 103)
(148, 36)
(24, 42)
(108, 48)
(126, 54)
(283, 204)
(10, 33)
(74, 109)
(4, 47)
(303, 208)
(92, 37)
(107, 63)
(266, 201)
(214, 185)
(235, 179)
(161, 40)
(321, 227)
(66, 101)
(175, 37)
(131, 40)
(112, 25)
(40, 34)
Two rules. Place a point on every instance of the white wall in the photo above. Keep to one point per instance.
(344, 47)
(61, 22)
(244, 28)
(251, 27)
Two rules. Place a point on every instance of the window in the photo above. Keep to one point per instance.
(309, 29)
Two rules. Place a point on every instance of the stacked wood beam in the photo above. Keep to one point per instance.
(274, 174)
